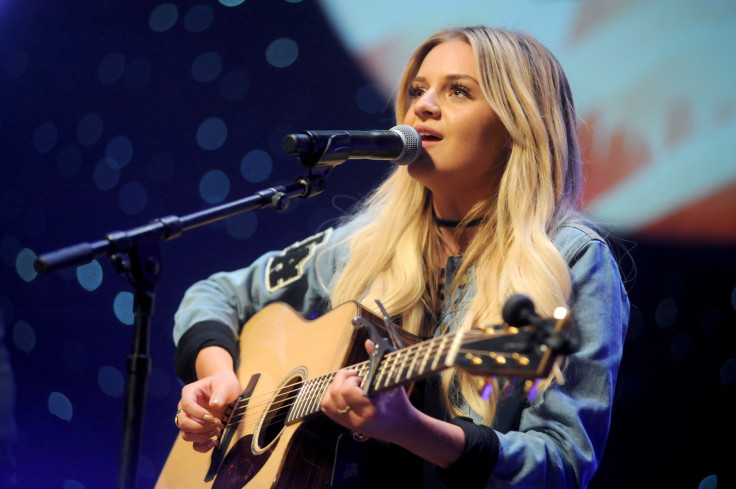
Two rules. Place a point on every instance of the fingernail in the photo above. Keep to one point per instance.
(216, 402)
(208, 417)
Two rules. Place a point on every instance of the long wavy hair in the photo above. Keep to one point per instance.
(396, 247)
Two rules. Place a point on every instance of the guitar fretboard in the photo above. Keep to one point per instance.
(396, 368)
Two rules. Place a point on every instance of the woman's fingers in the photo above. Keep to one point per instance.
(204, 447)
(344, 400)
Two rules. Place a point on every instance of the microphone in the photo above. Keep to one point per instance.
(401, 144)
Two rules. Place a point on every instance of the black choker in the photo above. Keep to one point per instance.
(453, 224)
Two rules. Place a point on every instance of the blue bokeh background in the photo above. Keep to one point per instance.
(113, 113)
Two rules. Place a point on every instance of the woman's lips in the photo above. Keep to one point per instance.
(429, 141)
(429, 136)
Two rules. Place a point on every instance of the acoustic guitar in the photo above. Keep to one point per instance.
(275, 436)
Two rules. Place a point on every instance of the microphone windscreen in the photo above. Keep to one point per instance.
(412, 144)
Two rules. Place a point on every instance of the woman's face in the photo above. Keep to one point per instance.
(464, 143)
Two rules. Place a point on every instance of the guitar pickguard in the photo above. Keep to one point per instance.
(231, 427)
(240, 465)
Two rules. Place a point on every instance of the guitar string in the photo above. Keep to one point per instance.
(308, 400)
(317, 391)
(296, 387)
(409, 356)
(388, 365)
(279, 417)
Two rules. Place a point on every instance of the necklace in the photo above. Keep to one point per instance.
(453, 224)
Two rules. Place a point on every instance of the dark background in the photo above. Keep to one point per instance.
(63, 182)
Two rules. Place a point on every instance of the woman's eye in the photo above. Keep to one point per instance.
(415, 92)
(460, 91)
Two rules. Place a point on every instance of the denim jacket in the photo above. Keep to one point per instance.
(556, 440)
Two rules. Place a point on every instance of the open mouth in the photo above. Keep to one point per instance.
(428, 134)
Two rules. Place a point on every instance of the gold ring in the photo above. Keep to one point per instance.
(176, 418)
(343, 411)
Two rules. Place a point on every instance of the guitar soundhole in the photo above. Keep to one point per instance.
(274, 417)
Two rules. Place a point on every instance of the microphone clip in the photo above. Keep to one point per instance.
(336, 152)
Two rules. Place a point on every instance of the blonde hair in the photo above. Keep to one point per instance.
(395, 250)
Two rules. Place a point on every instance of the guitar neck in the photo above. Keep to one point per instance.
(396, 368)
(501, 351)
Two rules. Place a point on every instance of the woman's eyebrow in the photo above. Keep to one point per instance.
(451, 77)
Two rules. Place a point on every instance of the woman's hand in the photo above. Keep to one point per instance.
(389, 416)
(204, 402)
(384, 415)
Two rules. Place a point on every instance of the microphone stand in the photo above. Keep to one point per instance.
(136, 252)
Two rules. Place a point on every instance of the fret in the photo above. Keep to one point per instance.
(294, 406)
(362, 370)
(319, 392)
(380, 371)
(394, 366)
(425, 357)
(386, 370)
(406, 354)
(457, 340)
(412, 367)
(314, 388)
(309, 386)
(313, 385)
(439, 356)
(299, 401)
(390, 370)
(418, 354)
(307, 400)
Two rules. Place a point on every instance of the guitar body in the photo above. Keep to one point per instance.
(278, 348)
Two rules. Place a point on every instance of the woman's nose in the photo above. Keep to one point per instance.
(426, 106)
